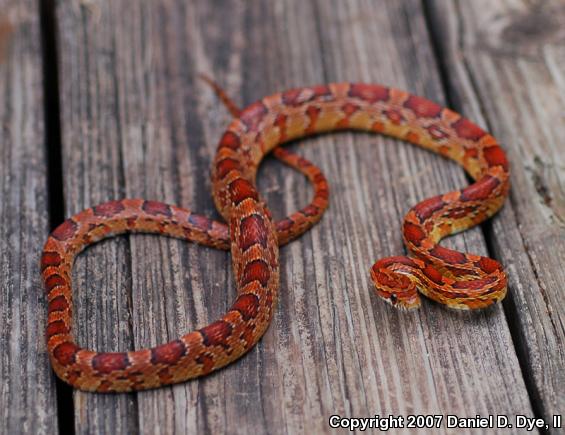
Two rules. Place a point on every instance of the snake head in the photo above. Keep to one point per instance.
(395, 288)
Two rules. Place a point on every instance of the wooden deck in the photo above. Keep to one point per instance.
(100, 100)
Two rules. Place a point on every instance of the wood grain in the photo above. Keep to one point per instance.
(136, 122)
(506, 64)
(27, 388)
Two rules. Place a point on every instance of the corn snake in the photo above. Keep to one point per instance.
(449, 277)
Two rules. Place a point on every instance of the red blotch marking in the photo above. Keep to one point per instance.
(413, 233)
(58, 304)
(280, 122)
(281, 151)
(481, 189)
(456, 272)
(319, 178)
(370, 93)
(448, 255)
(207, 362)
(471, 153)
(290, 97)
(433, 274)
(247, 305)
(349, 108)
(323, 194)
(200, 222)
(436, 132)
(109, 209)
(73, 376)
(378, 126)
(488, 265)
(495, 156)
(110, 361)
(394, 116)
(392, 280)
(65, 231)
(156, 208)
(310, 210)
(312, 112)
(428, 207)
(241, 189)
(413, 137)
(131, 222)
(475, 284)
(54, 280)
(343, 123)
(225, 166)
(165, 376)
(65, 353)
(49, 259)
(169, 353)
(301, 162)
(444, 150)
(284, 224)
(256, 270)
(252, 230)
(55, 328)
(217, 334)
(423, 107)
(253, 115)
(230, 140)
(468, 130)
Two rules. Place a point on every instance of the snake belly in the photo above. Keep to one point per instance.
(455, 279)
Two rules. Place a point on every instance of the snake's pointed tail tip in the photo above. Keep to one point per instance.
(205, 77)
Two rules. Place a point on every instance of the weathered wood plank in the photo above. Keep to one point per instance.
(505, 62)
(27, 388)
(136, 122)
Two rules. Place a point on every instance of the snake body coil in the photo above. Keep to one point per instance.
(455, 279)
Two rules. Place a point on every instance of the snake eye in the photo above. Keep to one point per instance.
(393, 298)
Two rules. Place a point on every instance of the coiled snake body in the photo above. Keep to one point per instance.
(455, 279)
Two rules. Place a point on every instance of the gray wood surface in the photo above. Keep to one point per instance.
(136, 122)
(27, 389)
(506, 65)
